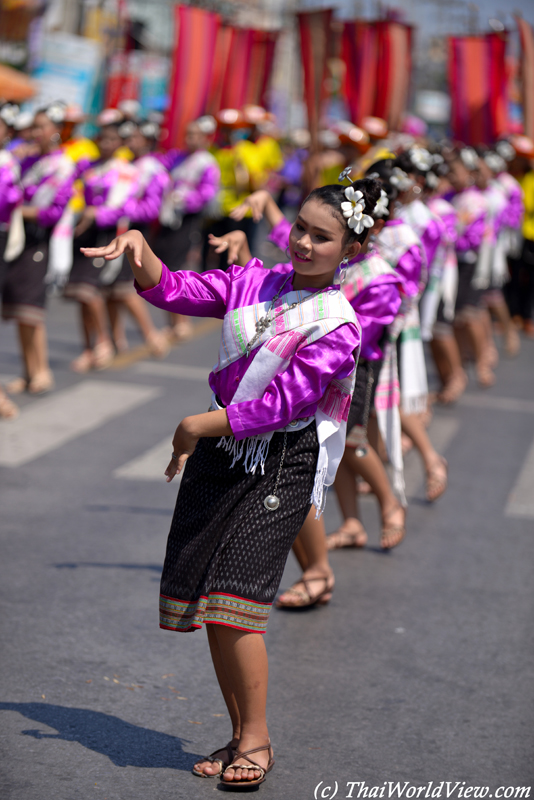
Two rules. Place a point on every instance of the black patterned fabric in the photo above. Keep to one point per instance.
(357, 406)
(226, 552)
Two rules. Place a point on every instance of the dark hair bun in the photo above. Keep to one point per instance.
(382, 171)
(371, 190)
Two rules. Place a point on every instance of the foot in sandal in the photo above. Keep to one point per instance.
(41, 383)
(215, 764)
(454, 388)
(249, 767)
(436, 479)
(312, 589)
(350, 534)
(17, 386)
(8, 409)
(393, 527)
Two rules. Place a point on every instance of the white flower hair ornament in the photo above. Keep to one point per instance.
(469, 158)
(381, 209)
(400, 180)
(420, 158)
(353, 209)
(56, 113)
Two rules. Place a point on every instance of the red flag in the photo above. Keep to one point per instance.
(261, 65)
(477, 78)
(527, 74)
(315, 38)
(394, 68)
(237, 69)
(360, 54)
(192, 65)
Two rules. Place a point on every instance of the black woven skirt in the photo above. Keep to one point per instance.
(24, 292)
(467, 294)
(85, 275)
(226, 552)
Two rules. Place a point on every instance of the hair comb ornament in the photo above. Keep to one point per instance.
(345, 174)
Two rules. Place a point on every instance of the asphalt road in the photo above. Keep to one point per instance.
(418, 671)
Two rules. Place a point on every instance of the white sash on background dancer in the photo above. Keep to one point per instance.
(394, 241)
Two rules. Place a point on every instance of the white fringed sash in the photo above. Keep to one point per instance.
(289, 332)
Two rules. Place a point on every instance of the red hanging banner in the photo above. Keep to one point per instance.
(261, 66)
(192, 66)
(360, 53)
(394, 69)
(478, 87)
(315, 39)
(526, 36)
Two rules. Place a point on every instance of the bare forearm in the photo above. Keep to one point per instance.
(147, 273)
(273, 214)
(212, 423)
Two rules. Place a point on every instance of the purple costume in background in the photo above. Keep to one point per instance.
(194, 184)
(47, 184)
(471, 208)
(10, 199)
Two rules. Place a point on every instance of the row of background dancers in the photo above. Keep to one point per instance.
(446, 236)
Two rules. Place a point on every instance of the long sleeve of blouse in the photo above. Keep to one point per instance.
(205, 190)
(280, 234)
(10, 194)
(470, 238)
(293, 394)
(376, 306)
(47, 217)
(409, 268)
(146, 207)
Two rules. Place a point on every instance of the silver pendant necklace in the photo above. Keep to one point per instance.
(272, 502)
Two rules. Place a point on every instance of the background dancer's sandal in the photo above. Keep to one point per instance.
(223, 763)
(392, 533)
(436, 481)
(306, 598)
(243, 782)
(345, 538)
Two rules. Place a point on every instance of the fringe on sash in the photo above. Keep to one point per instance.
(415, 405)
(319, 494)
(255, 455)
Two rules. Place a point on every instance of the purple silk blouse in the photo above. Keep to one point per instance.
(10, 193)
(375, 306)
(47, 217)
(204, 191)
(144, 206)
(292, 394)
(409, 265)
(470, 229)
(96, 190)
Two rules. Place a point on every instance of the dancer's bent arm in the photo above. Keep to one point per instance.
(145, 265)
(189, 431)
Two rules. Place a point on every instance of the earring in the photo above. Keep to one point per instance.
(55, 138)
(343, 270)
(288, 254)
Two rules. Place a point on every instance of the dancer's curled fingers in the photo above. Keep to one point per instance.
(130, 243)
(183, 446)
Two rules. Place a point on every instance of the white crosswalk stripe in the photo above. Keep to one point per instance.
(149, 466)
(66, 415)
(521, 498)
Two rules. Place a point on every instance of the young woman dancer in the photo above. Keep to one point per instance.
(10, 220)
(401, 248)
(472, 209)
(47, 183)
(281, 392)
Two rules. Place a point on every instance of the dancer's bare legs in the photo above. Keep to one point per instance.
(447, 358)
(312, 554)
(37, 375)
(435, 465)
(240, 661)
(156, 340)
(371, 469)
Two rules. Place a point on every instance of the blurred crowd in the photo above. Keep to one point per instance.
(471, 208)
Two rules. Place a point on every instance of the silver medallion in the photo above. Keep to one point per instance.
(361, 451)
(271, 502)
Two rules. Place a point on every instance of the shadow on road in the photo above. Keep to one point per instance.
(123, 743)
(163, 512)
(100, 565)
